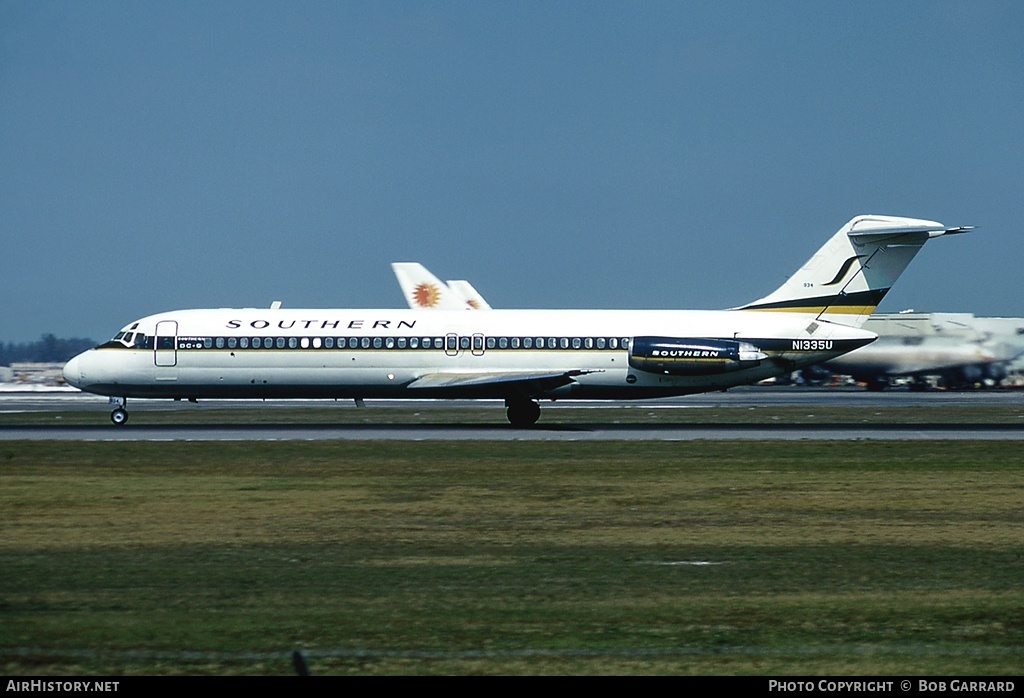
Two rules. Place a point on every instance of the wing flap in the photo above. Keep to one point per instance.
(545, 379)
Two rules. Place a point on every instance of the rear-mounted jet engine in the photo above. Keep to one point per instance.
(687, 356)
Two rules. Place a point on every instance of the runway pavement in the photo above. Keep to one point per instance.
(672, 428)
(582, 432)
(74, 400)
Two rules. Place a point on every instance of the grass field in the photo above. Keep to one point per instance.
(512, 558)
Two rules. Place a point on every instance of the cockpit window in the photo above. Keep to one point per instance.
(128, 338)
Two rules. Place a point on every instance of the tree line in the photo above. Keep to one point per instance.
(47, 349)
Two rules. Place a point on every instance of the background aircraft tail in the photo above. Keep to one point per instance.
(469, 295)
(852, 272)
(423, 290)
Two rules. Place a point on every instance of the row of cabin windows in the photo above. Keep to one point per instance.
(451, 342)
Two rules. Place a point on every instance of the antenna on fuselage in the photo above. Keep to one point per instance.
(276, 305)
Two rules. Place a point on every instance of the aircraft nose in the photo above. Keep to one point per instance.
(73, 372)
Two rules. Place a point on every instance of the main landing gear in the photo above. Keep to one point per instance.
(120, 415)
(522, 412)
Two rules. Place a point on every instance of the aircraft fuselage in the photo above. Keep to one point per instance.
(534, 354)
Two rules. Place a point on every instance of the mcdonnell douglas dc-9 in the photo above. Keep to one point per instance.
(520, 356)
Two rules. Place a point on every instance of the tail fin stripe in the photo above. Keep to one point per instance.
(857, 299)
(843, 270)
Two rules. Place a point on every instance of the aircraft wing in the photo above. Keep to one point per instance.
(543, 380)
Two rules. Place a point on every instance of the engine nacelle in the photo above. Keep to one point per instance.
(692, 356)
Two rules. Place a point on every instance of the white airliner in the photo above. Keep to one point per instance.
(520, 356)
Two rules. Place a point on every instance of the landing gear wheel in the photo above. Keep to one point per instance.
(522, 413)
(119, 416)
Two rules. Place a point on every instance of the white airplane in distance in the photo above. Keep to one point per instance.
(424, 291)
(957, 348)
(520, 356)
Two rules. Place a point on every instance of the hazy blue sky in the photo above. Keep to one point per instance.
(160, 155)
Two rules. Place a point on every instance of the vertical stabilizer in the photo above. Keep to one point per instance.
(470, 296)
(852, 272)
(423, 290)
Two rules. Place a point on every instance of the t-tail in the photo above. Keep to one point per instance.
(852, 272)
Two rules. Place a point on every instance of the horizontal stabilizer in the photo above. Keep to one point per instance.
(934, 230)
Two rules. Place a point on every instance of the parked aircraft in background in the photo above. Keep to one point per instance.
(956, 348)
(520, 356)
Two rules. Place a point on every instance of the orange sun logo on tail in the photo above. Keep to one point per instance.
(426, 295)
